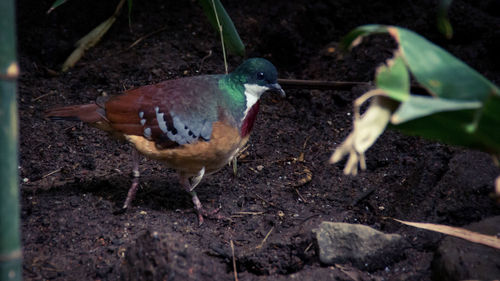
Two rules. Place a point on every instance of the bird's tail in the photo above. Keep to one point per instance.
(88, 113)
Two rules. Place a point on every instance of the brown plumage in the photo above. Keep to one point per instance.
(194, 125)
(117, 117)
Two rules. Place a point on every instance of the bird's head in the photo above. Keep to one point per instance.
(258, 75)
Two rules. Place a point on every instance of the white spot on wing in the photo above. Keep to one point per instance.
(141, 114)
(147, 133)
(143, 121)
(182, 135)
(161, 122)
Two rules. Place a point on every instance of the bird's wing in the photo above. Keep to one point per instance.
(170, 113)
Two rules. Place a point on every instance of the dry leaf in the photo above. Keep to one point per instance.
(459, 232)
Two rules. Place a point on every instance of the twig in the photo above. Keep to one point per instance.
(51, 173)
(249, 213)
(308, 247)
(331, 85)
(320, 85)
(298, 193)
(253, 170)
(203, 59)
(261, 198)
(265, 238)
(305, 142)
(291, 159)
(146, 36)
(234, 262)
(70, 128)
(44, 95)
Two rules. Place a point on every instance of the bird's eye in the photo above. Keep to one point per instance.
(260, 75)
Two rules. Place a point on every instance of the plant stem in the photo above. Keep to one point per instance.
(221, 35)
(10, 245)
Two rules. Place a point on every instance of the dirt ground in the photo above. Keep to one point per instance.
(74, 177)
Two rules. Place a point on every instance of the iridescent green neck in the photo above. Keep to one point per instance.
(234, 90)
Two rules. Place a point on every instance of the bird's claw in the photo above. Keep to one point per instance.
(212, 214)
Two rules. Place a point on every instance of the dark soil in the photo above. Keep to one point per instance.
(74, 177)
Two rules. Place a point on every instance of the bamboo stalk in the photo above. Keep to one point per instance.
(10, 245)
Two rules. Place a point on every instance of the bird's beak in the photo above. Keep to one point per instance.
(277, 88)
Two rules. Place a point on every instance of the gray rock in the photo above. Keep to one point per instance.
(363, 246)
(458, 259)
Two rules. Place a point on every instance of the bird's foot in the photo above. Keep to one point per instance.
(212, 214)
(203, 213)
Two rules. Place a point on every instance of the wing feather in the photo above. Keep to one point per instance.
(179, 112)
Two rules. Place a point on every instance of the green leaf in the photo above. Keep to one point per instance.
(420, 106)
(56, 4)
(448, 78)
(444, 26)
(454, 127)
(443, 23)
(354, 37)
(438, 71)
(129, 2)
(231, 37)
(464, 106)
(394, 79)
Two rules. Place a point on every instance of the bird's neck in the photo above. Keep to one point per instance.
(234, 92)
(234, 98)
(249, 120)
(242, 100)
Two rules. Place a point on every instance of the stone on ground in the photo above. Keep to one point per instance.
(458, 259)
(363, 246)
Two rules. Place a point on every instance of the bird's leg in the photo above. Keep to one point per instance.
(135, 181)
(235, 165)
(196, 179)
(184, 180)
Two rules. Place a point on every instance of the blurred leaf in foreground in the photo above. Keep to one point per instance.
(461, 109)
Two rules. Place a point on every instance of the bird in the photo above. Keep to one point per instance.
(193, 125)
